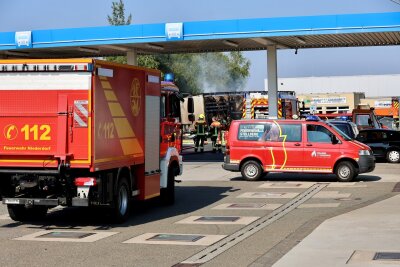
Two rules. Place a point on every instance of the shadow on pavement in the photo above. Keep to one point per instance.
(208, 155)
(188, 199)
(303, 177)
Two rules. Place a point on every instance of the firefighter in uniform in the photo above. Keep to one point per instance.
(200, 128)
(215, 134)
(224, 128)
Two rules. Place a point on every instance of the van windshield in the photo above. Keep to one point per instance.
(340, 132)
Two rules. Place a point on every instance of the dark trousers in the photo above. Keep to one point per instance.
(199, 139)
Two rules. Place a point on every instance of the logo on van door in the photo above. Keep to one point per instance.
(316, 154)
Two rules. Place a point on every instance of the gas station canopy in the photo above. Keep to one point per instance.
(351, 30)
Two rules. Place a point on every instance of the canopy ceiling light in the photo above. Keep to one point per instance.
(230, 43)
(89, 49)
(155, 46)
(300, 40)
(17, 53)
(119, 48)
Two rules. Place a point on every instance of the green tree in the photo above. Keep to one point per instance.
(117, 19)
(118, 14)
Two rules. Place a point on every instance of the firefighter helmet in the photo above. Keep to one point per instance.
(201, 116)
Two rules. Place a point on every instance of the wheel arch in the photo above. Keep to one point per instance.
(352, 161)
(124, 172)
(251, 158)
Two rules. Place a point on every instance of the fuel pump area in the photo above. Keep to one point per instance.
(212, 217)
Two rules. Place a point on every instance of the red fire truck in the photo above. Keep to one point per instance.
(85, 132)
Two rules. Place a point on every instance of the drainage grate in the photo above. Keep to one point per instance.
(387, 256)
(180, 238)
(76, 235)
(247, 205)
(347, 199)
(218, 219)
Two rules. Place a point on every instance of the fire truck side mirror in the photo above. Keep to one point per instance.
(190, 105)
(191, 117)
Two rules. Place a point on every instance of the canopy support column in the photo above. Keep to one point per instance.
(272, 82)
(131, 57)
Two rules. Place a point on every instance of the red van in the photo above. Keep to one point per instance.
(255, 147)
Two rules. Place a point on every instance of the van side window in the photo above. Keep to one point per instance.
(282, 132)
(318, 134)
(292, 132)
(251, 131)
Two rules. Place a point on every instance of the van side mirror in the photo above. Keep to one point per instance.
(334, 139)
(190, 105)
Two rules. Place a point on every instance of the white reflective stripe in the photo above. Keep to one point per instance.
(78, 119)
(45, 81)
(82, 109)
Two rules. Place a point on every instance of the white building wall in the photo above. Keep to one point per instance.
(371, 85)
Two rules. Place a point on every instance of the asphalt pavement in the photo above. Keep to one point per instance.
(282, 220)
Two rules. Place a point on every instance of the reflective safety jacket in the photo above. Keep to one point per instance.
(200, 126)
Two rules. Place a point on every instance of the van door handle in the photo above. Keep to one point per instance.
(308, 144)
(297, 144)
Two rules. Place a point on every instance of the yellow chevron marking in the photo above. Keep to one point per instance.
(124, 130)
(131, 146)
(110, 95)
(129, 143)
(116, 109)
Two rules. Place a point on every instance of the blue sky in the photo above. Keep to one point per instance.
(19, 15)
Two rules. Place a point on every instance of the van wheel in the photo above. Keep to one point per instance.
(251, 170)
(345, 171)
(393, 156)
(122, 201)
(168, 194)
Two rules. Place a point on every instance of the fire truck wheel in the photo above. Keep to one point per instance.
(21, 213)
(122, 201)
(393, 156)
(168, 193)
(251, 170)
(345, 171)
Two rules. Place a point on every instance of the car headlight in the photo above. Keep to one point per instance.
(364, 153)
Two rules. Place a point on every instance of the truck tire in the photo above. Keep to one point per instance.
(393, 156)
(167, 194)
(21, 213)
(251, 170)
(345, 171)
(122, 201)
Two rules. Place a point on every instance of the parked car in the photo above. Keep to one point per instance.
(347, 127)
(383, 142)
